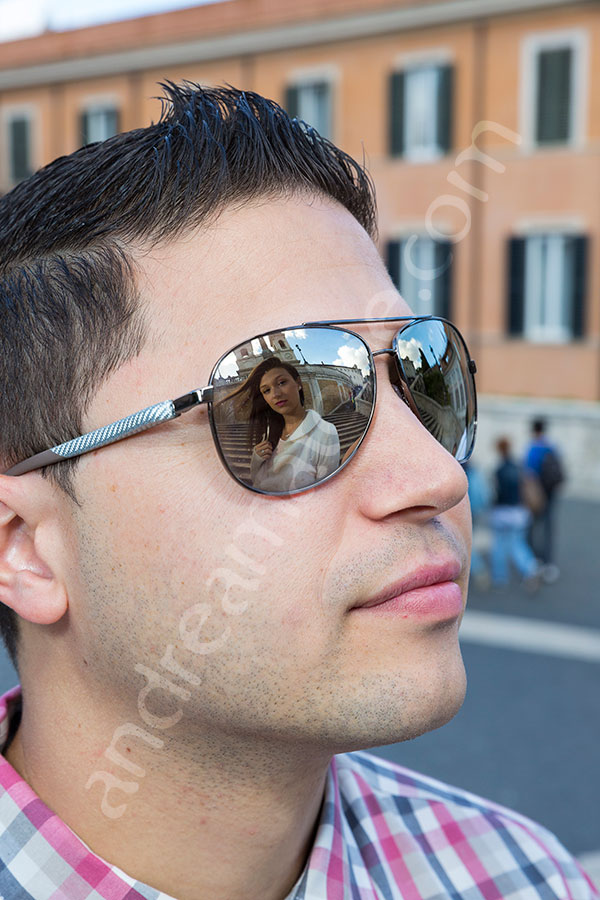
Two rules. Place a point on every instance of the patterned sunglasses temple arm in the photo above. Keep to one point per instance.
(116, 431)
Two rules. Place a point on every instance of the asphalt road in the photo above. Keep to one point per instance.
(529, 731)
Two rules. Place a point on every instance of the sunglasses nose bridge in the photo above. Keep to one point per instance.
(396, 376)
(394, 364)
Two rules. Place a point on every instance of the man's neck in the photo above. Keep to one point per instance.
(235, 822)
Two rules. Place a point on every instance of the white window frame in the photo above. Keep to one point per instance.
(414, 152)
(309, 76)
(535, 330)
(99, 103)
(9, 114)
(430, 58)
(577, 40)
(423, 306)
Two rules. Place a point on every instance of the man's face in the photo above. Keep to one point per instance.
(257, 596)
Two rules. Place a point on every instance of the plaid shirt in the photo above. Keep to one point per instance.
(385, 834)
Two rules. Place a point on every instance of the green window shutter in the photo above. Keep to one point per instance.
(396, 113)
(323, 92)
(516, 285)
(443, 281)
(445, 108)
(20, 149)
(84, 129)
(554, 77)
(113, 118)
(291, 101)
(579, 286)
(393, 261)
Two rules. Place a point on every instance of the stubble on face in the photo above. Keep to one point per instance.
(296, 668)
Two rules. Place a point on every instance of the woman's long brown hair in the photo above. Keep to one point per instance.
(266, 423)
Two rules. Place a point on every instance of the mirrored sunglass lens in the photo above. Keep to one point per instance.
(290, 407)
(435, 364)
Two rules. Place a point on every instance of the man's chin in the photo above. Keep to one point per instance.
(404, 714)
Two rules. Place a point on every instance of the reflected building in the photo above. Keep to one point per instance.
(439, 387)
(327, 387)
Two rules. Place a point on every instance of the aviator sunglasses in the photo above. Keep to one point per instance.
(288, 409)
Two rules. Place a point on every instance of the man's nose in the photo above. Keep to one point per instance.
(403, 469)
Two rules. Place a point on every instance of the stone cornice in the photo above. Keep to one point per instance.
(264, 40)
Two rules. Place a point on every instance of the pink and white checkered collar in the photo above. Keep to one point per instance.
(384, 832)
(40, 857)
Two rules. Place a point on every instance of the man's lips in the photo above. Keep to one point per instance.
(427, 589)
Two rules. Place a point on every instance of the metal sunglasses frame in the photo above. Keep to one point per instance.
(172, 409)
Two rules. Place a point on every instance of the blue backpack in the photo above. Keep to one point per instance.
(551, 471)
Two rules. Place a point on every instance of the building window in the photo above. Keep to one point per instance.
(547, 274)
(19, 148)
(554, 88)
(421, 112)
(553, 96)
(99, 123)
(311, 102)
(421, 270)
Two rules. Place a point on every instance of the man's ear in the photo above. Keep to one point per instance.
(29, 583)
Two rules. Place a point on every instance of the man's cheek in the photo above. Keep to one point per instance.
(463, 514)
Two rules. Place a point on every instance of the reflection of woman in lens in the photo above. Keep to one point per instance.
(292, 447)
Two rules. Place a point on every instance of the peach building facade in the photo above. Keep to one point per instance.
(478, 119)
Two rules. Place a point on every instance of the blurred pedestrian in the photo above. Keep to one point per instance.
(544, 463)
(479, 498)
(509, 520)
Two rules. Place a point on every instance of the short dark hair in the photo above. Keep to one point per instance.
(503, 446)
(538, 426)
(69, 308)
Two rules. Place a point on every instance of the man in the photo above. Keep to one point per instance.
(543, 461)
(193, 652)
(509, 519)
